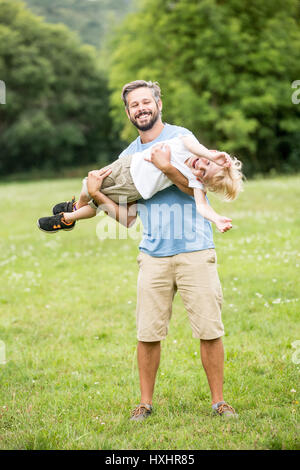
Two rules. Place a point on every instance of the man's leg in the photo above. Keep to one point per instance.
(156, 290)
(148, 355)
(199, 285)
(212, 356)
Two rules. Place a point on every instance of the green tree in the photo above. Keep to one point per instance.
(57, 110)
(225, 69)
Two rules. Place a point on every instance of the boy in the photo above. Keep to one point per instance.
(134, 177)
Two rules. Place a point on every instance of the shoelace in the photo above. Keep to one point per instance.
(225, 407)
(140, 410)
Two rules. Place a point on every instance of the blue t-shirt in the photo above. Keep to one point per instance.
(171, 224)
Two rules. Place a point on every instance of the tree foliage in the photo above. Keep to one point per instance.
(225, 69)
(57, 110)
(92, 20)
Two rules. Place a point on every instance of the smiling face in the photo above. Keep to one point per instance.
(202, 168)
(142, 109)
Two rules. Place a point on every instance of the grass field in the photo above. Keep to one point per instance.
(67, 306)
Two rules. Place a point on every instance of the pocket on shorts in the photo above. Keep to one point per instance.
(211, 257)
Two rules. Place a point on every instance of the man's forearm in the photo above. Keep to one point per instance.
(178, 179)
(125, 215)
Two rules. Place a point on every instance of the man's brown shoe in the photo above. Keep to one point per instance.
(225, 410)
(141, 412)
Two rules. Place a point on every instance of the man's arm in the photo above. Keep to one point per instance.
(178, 179)
(124, 214)
(161, 157)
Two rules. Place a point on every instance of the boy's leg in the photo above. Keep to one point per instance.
(70, 206)
(85, 212)
(83, 200)
(65, 220)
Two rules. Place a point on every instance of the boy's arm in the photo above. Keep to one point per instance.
(124, 214)
(161, 158)
(222, 223)
(193, 146)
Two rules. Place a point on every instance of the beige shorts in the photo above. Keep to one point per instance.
(195, 276)
(119, 185)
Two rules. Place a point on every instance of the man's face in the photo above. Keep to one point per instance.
(143, 111)
(202, 168)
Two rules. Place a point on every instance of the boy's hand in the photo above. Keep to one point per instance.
(95, 179)
(223, 224)
(160, 156)
(221, 158)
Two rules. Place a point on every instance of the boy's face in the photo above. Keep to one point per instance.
(202, 168)
(143, 111)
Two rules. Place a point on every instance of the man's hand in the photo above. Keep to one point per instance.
(223, 224)
(160, 157)
(95, 179)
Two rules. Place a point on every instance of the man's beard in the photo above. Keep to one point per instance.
(149, 125)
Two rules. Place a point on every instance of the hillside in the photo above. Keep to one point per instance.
(91, 19)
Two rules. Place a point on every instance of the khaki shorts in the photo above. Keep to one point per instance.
(119, 185)
(195, 276)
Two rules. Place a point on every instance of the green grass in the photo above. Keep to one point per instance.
(67, 310)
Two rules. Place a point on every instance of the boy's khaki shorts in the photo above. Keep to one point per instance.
(195, 276)
(119, 185)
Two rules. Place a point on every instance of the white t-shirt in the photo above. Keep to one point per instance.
(148, 179)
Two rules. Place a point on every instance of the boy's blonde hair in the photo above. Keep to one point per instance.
(228, 181)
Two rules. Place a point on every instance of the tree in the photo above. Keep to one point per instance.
(226, 70)
(57, 109)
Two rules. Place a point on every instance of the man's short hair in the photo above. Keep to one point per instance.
(153, 86)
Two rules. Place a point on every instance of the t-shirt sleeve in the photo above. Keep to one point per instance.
(183, 132)
(194, 183)
(124, 153)
(130, 150)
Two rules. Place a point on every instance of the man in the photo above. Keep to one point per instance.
(176, 253)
